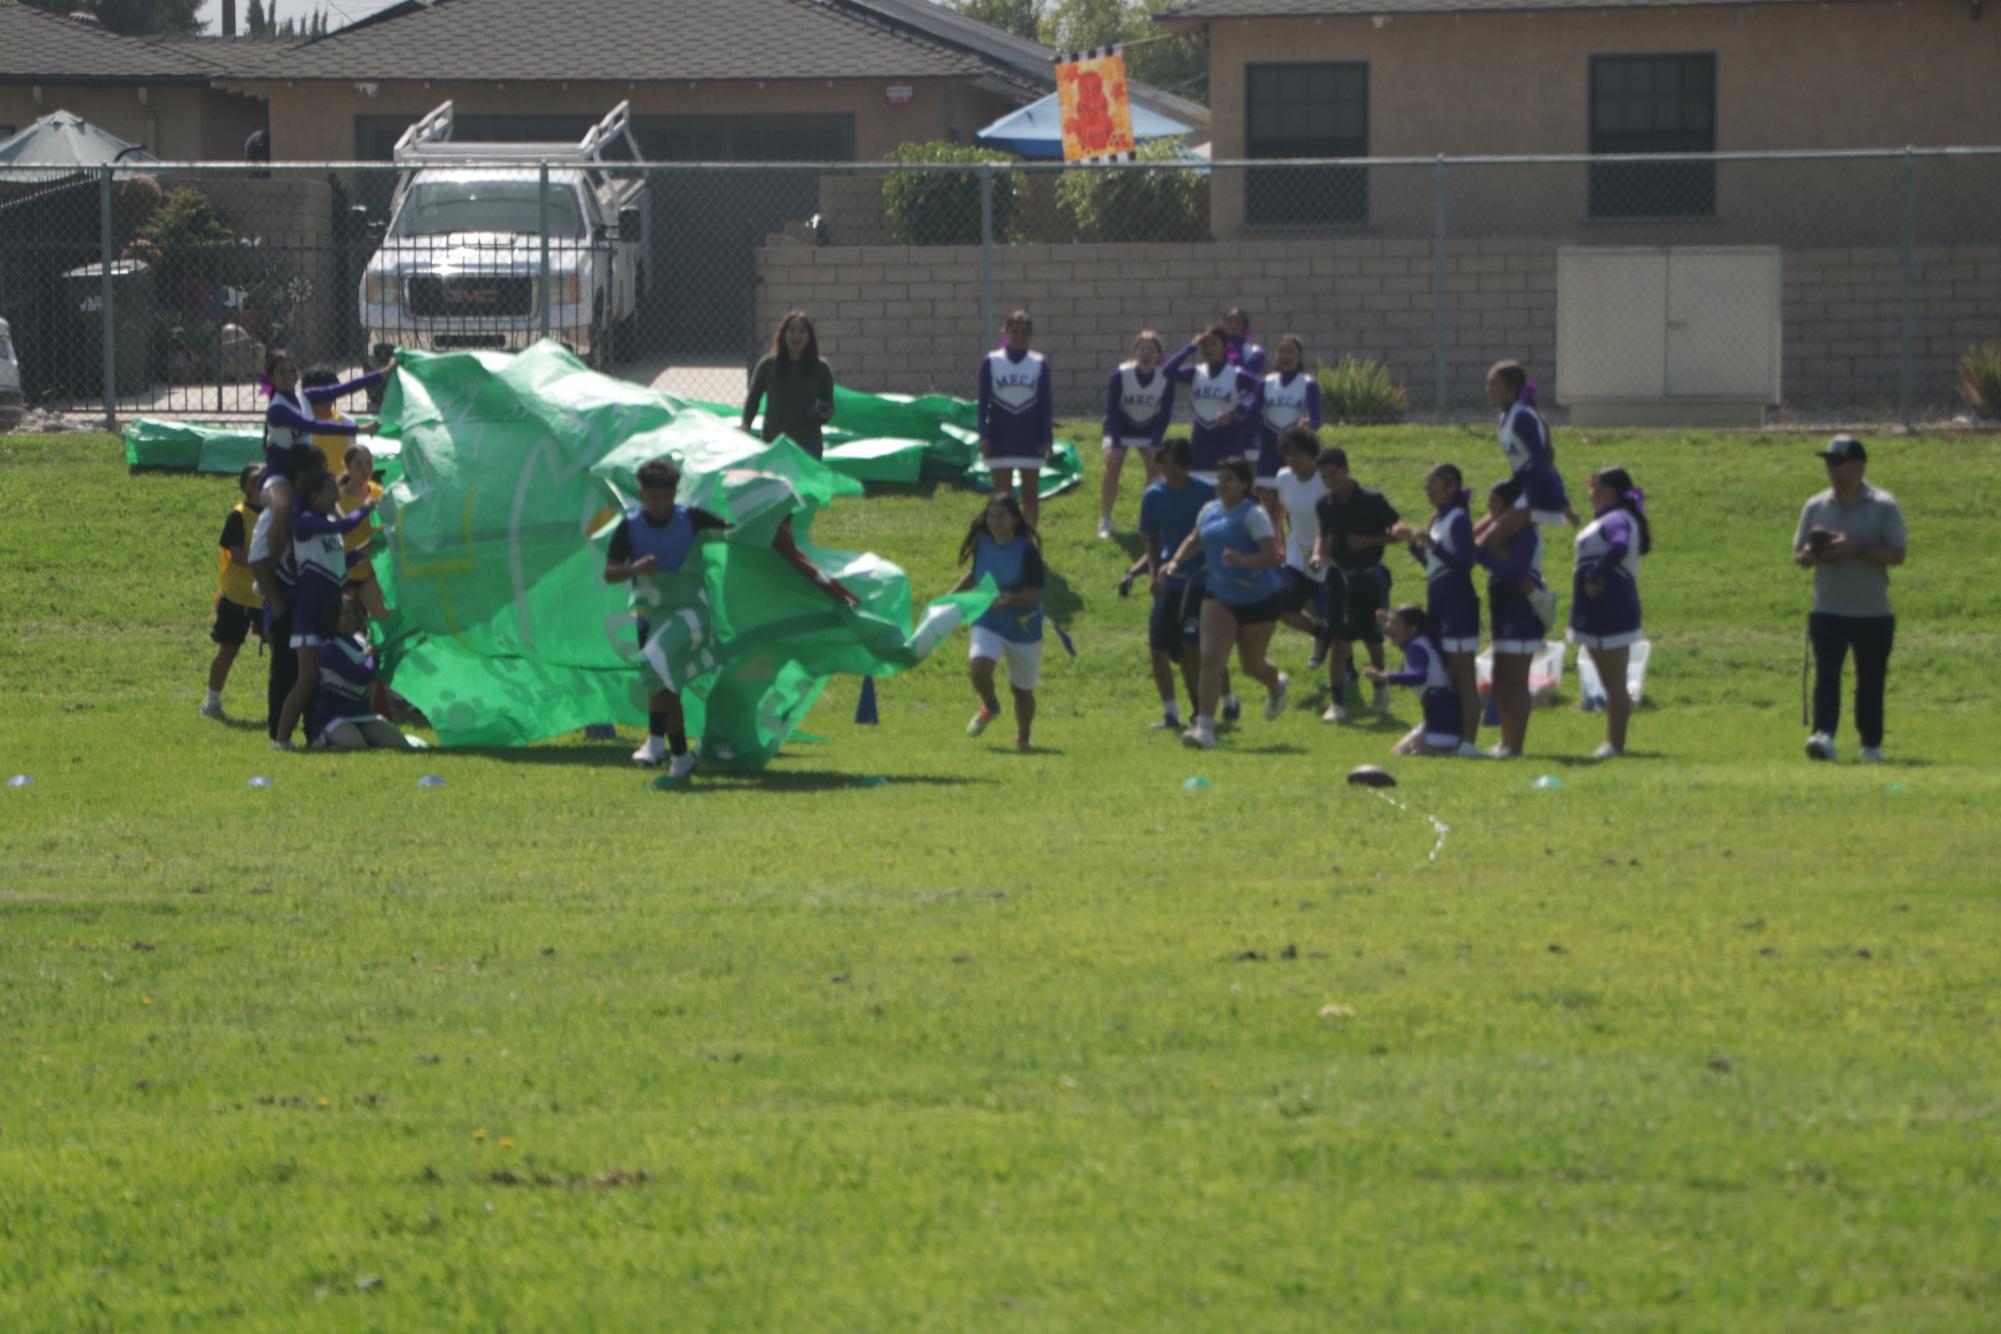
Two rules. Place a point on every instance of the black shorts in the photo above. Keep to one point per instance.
(1300, 593)
(1262, 612)
(1176, 623)
(234, 622)
(1354, 601)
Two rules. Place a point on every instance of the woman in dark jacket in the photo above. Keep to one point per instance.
(795, 386)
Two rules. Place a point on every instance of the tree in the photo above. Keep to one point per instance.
(1175, 66)
(1023, 18)
(256, 22)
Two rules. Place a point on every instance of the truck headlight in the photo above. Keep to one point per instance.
(378, 289)
(572, 289)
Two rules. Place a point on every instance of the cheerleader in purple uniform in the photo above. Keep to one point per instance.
(1139, 403)
(1605, 592)
(1424, 671)
(1017, 417)
(1519, 606)
(1288, 397)
(1445, 549)
(1527, 446)
(1243, 353)
(1221, 397)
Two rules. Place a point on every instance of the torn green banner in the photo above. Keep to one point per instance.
(206, 447)
(516, 469)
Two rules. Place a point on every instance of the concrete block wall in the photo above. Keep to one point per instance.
(906, 318)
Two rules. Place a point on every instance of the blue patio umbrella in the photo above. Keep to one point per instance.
(1036, 130)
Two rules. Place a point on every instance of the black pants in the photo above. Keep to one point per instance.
(1832, 636)
(284, 668)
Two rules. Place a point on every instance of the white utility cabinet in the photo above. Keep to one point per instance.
(1668, 335)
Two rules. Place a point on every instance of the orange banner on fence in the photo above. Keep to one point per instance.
(1091, 98)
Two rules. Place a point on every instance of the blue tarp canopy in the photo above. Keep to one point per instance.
(1036, 131)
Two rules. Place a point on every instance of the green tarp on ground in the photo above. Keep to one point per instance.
(884, 438)
(505, 631)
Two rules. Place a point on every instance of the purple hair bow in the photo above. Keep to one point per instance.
(1637, 499)
(264, 386)
(1527, 396)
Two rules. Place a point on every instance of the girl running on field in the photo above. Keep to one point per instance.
(1445, 549)
(1221, 397)
(1424, 671)
(1517, 599)
(1003, 543)
(1605, 592)
(1139, 403)
(1240, 602)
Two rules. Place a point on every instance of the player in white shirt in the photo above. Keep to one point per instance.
(1299, 490)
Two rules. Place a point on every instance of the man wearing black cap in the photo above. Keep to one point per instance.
(1849, 536)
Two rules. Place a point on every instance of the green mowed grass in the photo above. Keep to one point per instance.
(1700, 1039)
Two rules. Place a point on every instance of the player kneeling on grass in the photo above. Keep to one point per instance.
(341, 717)
(656, 536)
(1001, 543)
(238, 605)
(1425, 671)
(1240, 605)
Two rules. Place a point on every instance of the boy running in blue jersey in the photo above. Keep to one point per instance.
(1166, 516)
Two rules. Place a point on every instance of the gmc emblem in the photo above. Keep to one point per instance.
(463, 296)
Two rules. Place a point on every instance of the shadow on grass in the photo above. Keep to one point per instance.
(778, 777)
(814, 780)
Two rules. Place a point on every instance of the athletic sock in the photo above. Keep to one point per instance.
(677, 743)
(212, 698)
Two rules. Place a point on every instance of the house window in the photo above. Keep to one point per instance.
(1653, 104)
(1306, 111)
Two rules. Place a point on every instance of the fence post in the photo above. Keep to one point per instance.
(1438, 312)
(1907, 371)
(542, 231)
(986, 256)
(110, 343)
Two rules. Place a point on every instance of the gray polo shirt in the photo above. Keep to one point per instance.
(1854, 586)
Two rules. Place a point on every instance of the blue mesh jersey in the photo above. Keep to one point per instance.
(1167, 517)
(1015, 566)
(1242, 530)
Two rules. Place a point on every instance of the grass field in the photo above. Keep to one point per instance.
(1701, 1039)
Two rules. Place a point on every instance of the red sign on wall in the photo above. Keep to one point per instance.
(899, 94)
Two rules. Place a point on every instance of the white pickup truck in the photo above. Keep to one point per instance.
(461, 265)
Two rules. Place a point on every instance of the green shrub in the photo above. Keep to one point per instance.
(1124, 204)
(943, 207)
(1980, 379)
(1361, 393)
(190, 244)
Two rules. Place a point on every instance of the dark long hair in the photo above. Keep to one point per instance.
(1418, 619)
(978, 529)
(1631, 499)
(1461, 497)
(782, 355)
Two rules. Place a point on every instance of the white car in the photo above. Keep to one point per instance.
(11, 404)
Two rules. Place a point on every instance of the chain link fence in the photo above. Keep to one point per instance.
(1733, 288)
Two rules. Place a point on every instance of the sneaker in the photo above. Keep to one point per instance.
(1233, 709)
(980, 722)
(683, 765)
(1468, 751)
(1335, 714)
(650, 754)
(212, 708)
(1167, 722)
(1820, 746)
(1200, 737)
(1104, 530)
(1275, 699)
(1607, 751)
(1126, 584)
(1379, 699)
(1872, 754)
(1503, 752)
(283, 745)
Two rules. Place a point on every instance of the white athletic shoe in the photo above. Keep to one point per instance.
(1335, 714)
(1503, 752)
(1104, 530)
(283, 745)
(1872, 754)
(1468, 751)
(1200, 737)
(1275, 699)
(212, 708)
(981, 720)
(1379, 698)
(1820, 746)
(650, 754)
(683, 765)
(1607, 751)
